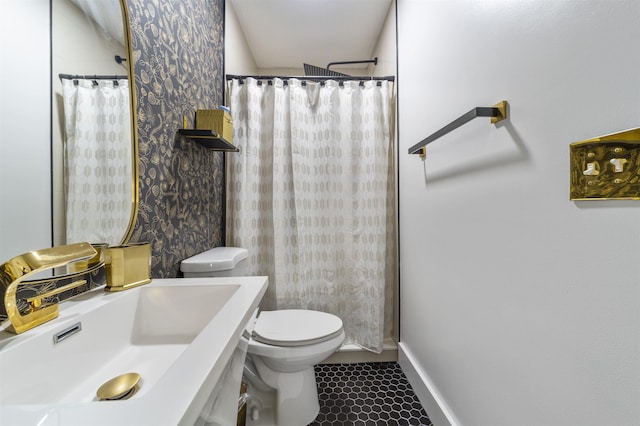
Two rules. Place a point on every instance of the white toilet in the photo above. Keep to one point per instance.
(283, 348)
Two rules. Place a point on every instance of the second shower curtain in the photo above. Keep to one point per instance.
(311, 195)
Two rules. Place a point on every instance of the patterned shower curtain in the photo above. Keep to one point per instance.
(98, 168)
(311, 196)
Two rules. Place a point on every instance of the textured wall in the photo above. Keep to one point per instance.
(178, 53)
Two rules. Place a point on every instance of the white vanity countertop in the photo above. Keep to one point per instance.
(178, 394)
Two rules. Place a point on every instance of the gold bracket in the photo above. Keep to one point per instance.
(502, 107)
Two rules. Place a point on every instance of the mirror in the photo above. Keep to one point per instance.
(93, 140)
(32, 212)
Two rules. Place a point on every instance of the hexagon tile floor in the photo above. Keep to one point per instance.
(376, 394)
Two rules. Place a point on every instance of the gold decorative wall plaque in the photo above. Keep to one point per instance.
(606, 167)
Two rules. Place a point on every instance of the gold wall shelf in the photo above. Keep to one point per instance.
(606, 167)
(209, 139)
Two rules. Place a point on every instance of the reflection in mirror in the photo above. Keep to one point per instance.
(93, 145)
(97, 153)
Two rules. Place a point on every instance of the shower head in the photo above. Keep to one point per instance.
(314, 71)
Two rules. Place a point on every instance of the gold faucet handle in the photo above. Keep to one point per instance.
(16, 270)
(49, 258)
(36, 301)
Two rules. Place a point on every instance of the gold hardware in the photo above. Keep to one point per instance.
(36, 301)
(217, 120)
(135, 185)
(15, 271)
(84, 265)
(618, 164)
(423, 152)
(242, 405)
(593, 169)
(119, 388)
(502, 107)
(606, 167)
(128, 266)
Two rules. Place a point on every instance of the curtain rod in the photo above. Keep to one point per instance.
(312, 78)
(92, 77)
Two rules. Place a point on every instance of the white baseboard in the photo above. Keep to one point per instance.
(349, 354)
(438, 411)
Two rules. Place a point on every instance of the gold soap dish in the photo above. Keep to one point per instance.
(128, 266)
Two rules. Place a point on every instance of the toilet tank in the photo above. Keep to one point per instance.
(217, 262)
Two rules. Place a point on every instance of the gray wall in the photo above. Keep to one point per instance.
(518, 306)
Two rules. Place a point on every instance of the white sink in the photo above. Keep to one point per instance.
(178, 334)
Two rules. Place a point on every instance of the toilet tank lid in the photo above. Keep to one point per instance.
(216, 259)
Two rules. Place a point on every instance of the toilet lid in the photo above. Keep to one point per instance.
(295, 327)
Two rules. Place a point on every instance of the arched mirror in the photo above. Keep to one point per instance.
(93, 123)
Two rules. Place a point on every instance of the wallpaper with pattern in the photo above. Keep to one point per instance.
(178, 53)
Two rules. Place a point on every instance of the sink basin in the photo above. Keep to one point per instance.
(177, 334)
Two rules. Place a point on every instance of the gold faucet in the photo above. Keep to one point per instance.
(18, 269)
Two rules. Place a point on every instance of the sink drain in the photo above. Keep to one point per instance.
(119, 388)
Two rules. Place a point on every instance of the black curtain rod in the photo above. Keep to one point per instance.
(92, 77)
(311, 78)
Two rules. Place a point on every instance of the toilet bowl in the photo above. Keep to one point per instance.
(283, 346)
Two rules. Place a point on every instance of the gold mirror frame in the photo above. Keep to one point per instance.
(122, 233)
(135, 185)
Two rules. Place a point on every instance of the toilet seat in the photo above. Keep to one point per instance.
(296, 327)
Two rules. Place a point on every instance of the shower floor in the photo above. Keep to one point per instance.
(372, 393)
